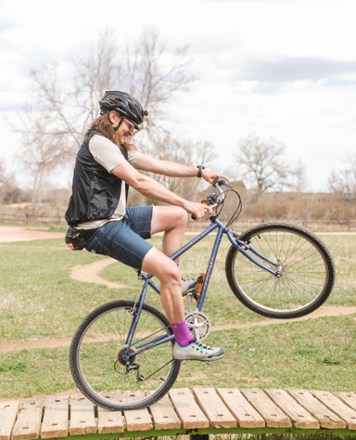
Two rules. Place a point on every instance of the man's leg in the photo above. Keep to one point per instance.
(185, 348)
(162, 267)
(173, 221)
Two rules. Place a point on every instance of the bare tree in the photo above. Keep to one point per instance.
(2, 173)
(344, 181)
(9, 190)
(188, 153)
(264, 166)
(3, 181)
(42, 158)
(65, 102)
(153, 74)
(298, 178)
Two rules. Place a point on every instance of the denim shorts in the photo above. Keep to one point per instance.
(124, 240)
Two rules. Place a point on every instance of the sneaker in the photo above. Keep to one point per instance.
(188, 285)
(196, 351)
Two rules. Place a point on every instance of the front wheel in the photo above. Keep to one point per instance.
(110, 374)
(306, 271)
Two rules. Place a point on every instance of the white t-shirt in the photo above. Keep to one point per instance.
(109, 155)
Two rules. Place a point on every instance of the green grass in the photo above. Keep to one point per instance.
(39, 299)
(278, 356)
(32, 372)
(315, 354)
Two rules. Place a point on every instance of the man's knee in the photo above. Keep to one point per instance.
(161, 266)
(181, 216)
(169, 272)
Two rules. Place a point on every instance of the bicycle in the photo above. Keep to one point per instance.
(121, 354)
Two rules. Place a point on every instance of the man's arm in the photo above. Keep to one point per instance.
(154, 190)
(165, 167)
(173, 169)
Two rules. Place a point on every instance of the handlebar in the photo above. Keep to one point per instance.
(220, 182)
(215, 200)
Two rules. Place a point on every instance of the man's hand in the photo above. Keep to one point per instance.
(212, 176)
(198, 210)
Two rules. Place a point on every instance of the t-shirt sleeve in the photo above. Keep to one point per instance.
(108, 154)
(134, 156)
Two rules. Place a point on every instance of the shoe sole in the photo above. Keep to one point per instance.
(208, 359)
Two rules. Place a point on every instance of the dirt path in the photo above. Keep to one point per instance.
(13, 233)
(89, 273)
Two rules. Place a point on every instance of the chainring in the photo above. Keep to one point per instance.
(199, 325)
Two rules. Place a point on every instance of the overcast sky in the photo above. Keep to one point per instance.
(278, 68)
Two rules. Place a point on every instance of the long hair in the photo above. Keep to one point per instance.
(103, 125)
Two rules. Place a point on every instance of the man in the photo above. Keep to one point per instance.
(106, 165)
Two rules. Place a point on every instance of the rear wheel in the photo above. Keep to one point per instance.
(306, 268)
(100, 368)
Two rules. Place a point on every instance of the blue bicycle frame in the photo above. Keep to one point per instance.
(246, 249)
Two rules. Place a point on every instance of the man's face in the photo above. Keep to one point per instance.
(126, 128)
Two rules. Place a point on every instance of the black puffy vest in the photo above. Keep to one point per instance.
(95, 192)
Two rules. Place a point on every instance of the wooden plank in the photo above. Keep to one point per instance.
(28, 423)
(55, 420)
(188, 410)
(82, 419)
(273, 415)
(327, 418)
(164, 415)
(8, 414)
(338, 407)
(214, 408)
(348, 398)
(241, 408)
(110, 422)
(300, 417)
(137, 419)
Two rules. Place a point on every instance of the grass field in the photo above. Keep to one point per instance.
(38, 299)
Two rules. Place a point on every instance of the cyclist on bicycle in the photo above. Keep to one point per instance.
(106, 165)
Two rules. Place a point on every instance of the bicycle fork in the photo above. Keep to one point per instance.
(245, 248)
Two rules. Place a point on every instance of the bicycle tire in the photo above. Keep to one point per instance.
(307, 276)
(95, 353)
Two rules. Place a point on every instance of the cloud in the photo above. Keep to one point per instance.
(290, 69)
(279, 68)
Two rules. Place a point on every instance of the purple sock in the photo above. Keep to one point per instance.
(182, 334)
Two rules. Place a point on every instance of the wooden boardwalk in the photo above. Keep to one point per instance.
(198, 411)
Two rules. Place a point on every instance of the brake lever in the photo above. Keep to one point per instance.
(220, 181)
(203, 202)
(214, 200)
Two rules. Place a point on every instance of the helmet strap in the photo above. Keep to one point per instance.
(119, 124)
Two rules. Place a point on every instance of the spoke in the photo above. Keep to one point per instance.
(303, 271)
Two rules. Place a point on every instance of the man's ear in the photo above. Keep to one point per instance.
(113, 116)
